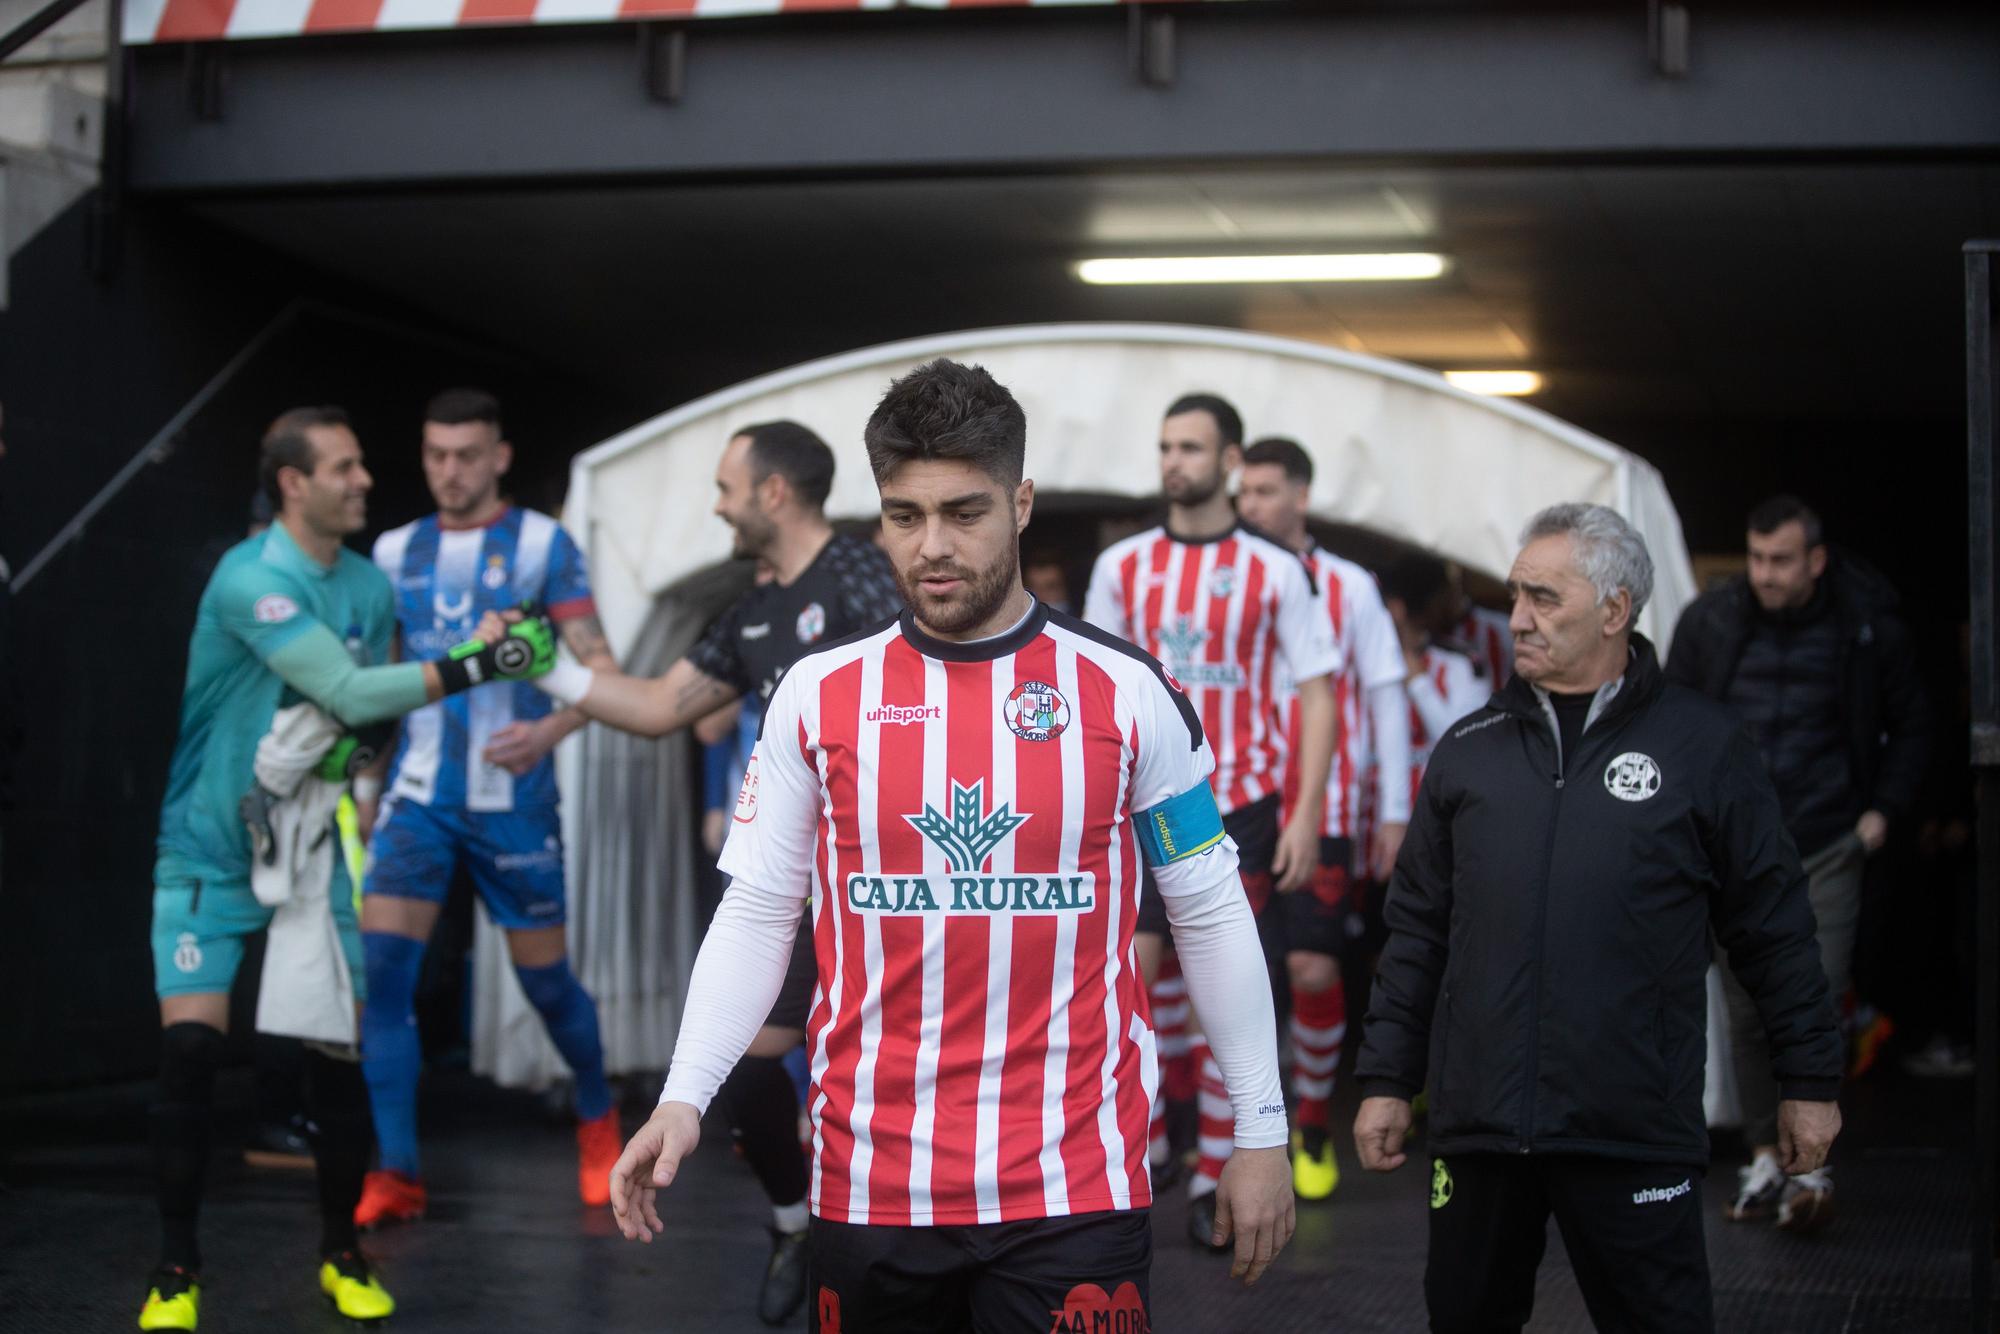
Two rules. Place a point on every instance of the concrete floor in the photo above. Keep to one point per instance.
(507, 1247)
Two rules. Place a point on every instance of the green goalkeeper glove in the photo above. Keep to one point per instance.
(527, 651)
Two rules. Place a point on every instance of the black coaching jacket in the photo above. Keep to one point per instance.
(1549, 927)
(1874, 665)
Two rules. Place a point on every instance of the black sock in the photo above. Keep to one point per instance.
(337, 1102)
(764, 1109)
(280, 1072)
(189, 1055)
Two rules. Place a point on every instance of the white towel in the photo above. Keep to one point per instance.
(308, 990)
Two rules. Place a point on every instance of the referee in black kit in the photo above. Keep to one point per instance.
(1573, 845)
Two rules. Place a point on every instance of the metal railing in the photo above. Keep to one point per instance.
(36, 24)
(1982, 418)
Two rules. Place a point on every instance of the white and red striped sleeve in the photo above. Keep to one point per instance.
(1104, 604)
(1304, 632)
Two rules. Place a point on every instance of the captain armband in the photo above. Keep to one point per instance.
(1179, 827)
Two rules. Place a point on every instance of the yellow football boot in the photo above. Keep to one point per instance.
(174, 1301)
(1315, 1171)
(353, 1288)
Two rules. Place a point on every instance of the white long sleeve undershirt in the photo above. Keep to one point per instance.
(741, 967)
(738, 973)
(1216, 938)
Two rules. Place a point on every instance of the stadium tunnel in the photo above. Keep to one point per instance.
(1742, 267)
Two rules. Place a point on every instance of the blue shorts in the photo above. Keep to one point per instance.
(199, 926)
(515, 857)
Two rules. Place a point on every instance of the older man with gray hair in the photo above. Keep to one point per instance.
(1573, 846)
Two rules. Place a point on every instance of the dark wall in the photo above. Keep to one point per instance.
(91, 370)
(1892, 491)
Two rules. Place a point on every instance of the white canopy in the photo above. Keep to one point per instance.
(1397, 449)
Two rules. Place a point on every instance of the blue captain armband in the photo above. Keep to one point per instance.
(1179, 827)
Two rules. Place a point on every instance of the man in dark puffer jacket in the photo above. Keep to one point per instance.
(1573, 845)
(1808, 651)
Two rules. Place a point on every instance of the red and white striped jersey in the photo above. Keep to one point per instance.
(1485, 632)
(1230, 617)
(980, 1045)
(1448, 690)
(1371, 655)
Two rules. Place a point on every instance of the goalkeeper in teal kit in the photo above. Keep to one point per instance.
(287, 668)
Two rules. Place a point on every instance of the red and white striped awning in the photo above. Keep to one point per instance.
(149, 21)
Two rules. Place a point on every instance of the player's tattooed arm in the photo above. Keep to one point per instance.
(584, 637)
(657, 705)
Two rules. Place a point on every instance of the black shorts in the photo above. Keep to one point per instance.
(1089, 1272)
(1326, 916)
(1255, 829)
(795, 998)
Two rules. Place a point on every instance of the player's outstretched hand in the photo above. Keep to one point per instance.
(651, 1160)
(1380, 1128)
(1254, 1204)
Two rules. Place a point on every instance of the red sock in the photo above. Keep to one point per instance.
(1319, 1023)
(1218, 1125)
(1170, 1018)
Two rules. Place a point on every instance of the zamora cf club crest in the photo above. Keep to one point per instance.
(1036, 711)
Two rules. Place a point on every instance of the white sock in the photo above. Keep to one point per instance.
(789, 1217)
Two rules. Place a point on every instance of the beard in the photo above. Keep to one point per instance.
(751, 535)
(1191, 491)
(980, 594)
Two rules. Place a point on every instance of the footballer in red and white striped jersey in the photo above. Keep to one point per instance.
(1232, 617)
(1447, 689)
(979, 1037)
(1370, 657)
(1484, 632)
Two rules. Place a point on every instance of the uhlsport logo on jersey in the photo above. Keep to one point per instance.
(812, 623)
(1036, 711)
(1632, 777)
(898, 715)
(1180, 642)
(967, 838)
(449, 610)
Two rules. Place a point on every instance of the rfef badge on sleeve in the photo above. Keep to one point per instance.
(746, 796)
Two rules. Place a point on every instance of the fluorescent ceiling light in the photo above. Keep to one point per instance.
(1508, 384)
(1262, 268)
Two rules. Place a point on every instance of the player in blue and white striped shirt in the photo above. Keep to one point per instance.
(472, 786)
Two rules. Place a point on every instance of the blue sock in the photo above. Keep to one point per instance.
(391, 1056)
(800, 1069)
(571, 1017)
